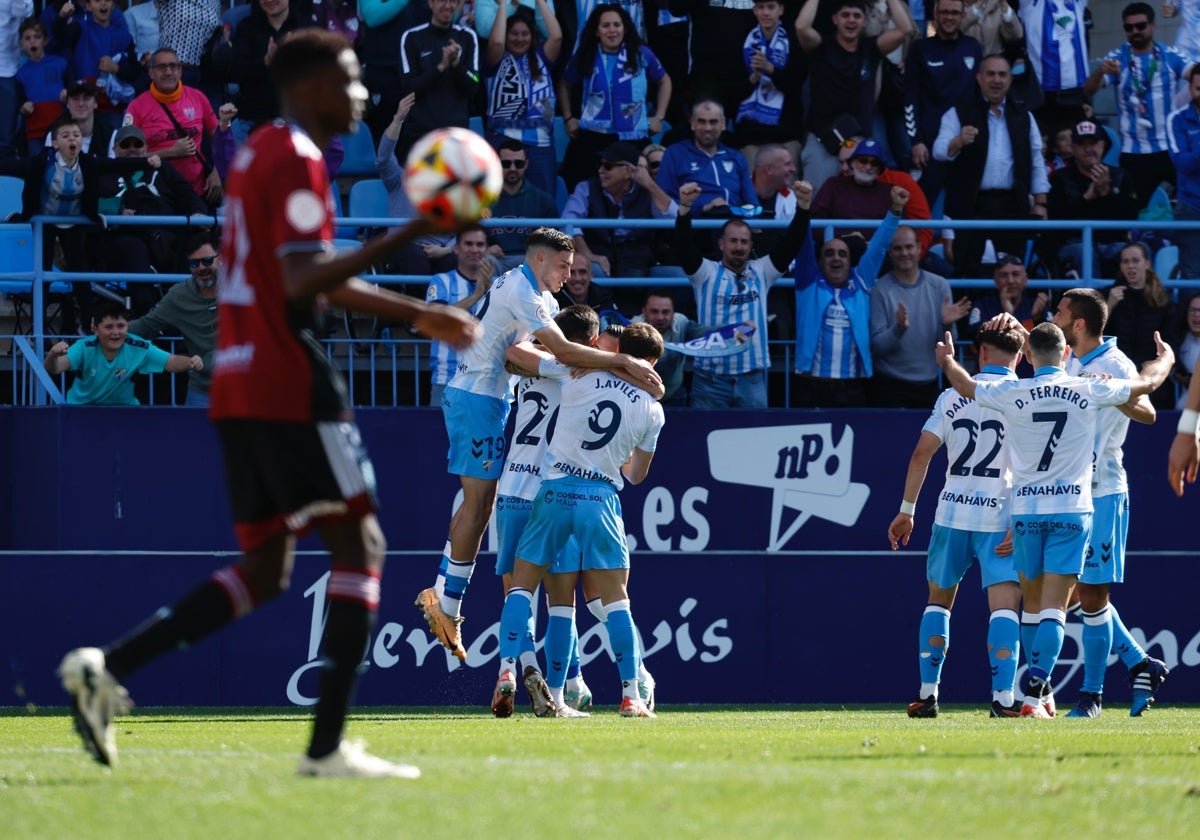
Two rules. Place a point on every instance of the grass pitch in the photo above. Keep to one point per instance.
(695, 772)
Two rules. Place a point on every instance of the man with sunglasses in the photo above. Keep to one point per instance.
(621, 189)
(1146, 74)
(189, 309)
(178, 122)
(151, 192)
(519, 199)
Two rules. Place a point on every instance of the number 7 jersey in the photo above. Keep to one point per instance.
(1052, 421)
(978, 479)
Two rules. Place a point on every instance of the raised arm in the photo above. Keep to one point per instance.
(918, 466)
(1154, 372)
(552, 46)
(495, 44)
(956, 374)
(793, 238)
(690, 258)
(892, 38)
(806, 34)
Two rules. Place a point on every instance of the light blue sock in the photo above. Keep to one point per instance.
(1003, 637)
(1047, 644)
(514, 619)
(458, 577)
(935, 623)
(1029, 626)
(573, 667)
(558, 645)
(620, 636)
(1123, 643)
(1097, 642)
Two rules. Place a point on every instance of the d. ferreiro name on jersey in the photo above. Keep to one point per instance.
(970, 501)
(1054, 392)
(1049, 490)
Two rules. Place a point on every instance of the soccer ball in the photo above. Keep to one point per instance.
(452, 176)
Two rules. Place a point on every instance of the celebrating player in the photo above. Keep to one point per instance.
(606, 433)
(971, 521)
(1051, 419)
(475, 407)
(294, 460)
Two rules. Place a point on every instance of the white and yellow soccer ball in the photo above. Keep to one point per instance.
(452, 176)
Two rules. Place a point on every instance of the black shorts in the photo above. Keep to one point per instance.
(289, 476)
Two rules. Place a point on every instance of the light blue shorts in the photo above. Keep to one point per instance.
(589, 510)
(1104, 561)
(952, 550)
(1050, 542)
(512, 514)
(475, 426)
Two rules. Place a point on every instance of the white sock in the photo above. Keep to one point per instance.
(928, 690)
(529, 660)
(1004, 698)
(597, 609)
(556, 696)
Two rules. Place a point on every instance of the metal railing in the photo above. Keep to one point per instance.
(393, 365)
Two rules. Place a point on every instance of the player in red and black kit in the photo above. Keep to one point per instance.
(293, 456)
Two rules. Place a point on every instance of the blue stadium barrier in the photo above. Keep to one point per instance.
(1086, 230)
(760, 571)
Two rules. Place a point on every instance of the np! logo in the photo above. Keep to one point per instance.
(805, 468)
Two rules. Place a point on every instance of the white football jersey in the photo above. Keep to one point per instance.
(1051, 420)
(1108, 473)
(601, 421)
(512, 310)
(535, 420)
(978, 479)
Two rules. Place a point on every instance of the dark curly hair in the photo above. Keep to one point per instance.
(589, 38)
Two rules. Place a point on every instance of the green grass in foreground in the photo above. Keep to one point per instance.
(696, 771)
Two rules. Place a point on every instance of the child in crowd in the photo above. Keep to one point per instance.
(107, 361)
(43, 84)
(102, 52)
(63, 181)
(1058, 150)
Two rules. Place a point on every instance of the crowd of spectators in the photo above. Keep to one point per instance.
(967, 108)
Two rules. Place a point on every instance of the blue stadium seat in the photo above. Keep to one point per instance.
(16, 257)
(1113, 156)
(476, 125)
(10, 195)
(561, 139)
(340, 231)
(1166, 261)
(368, 198)
(360, 152)
(560, 193)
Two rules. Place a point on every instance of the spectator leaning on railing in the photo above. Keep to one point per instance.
(189, 309)
(107, 361)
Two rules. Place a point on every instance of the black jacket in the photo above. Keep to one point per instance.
(243, 60)
(962, 187)
(33, 170)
